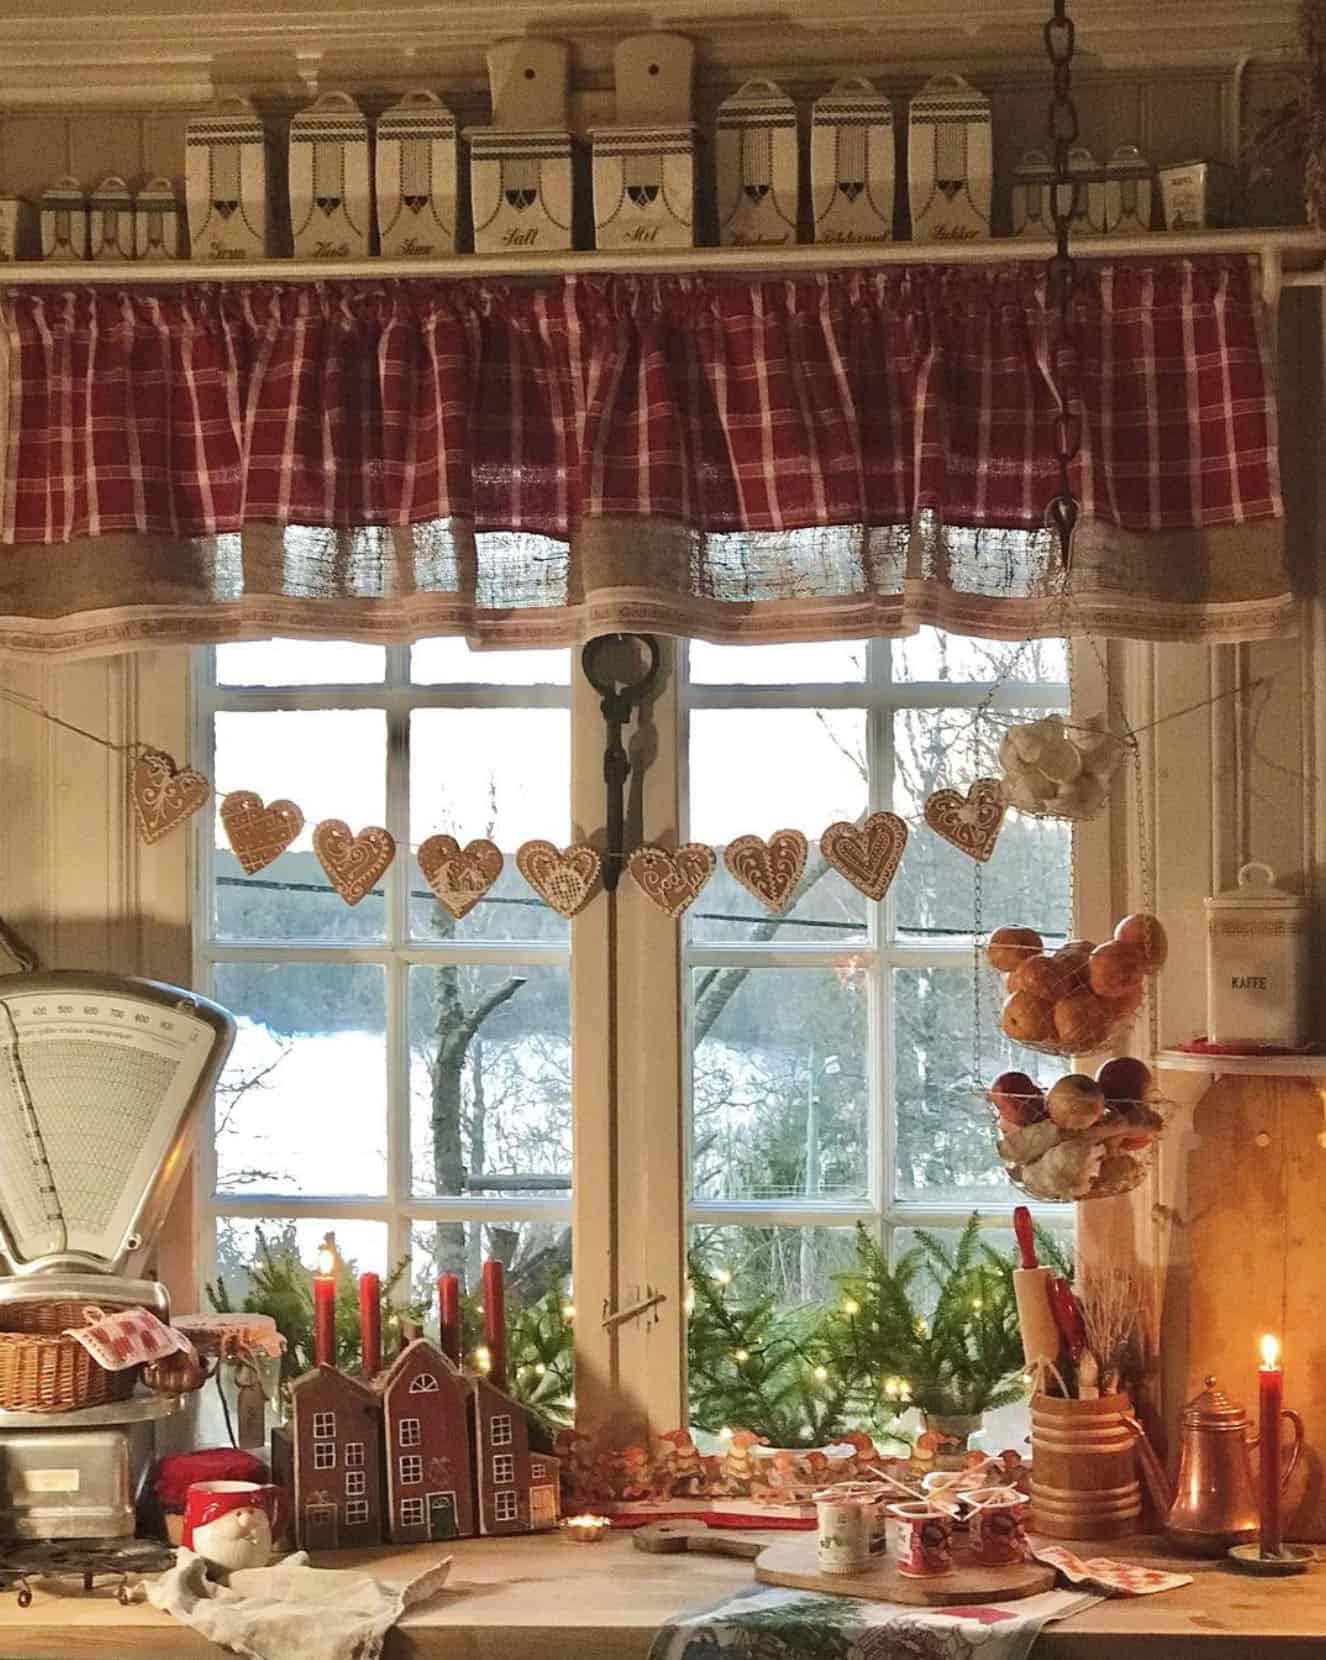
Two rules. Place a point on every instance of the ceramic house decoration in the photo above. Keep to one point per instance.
(426, 1434)
(1127, 192)
(950, 161)
(521, 183)
(329, 1459)
(64, 221)
(156, 221)
(756, 164)
(226, 183)
(519, 1490)
(330, 192)
(644, 167)
(416, 178)
(852, 163)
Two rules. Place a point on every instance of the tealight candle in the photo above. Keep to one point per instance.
(586, 1530)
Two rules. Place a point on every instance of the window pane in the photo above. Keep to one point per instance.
(945, 1136)
(796, 665)
(444, 662)
(302, 1104)
(792, 1265)
(535, 1255)
(931, 654)
(300, 663)
(361, 1245)
(332, 764)
(499, 774)
(1026, 878)
(490, 1102)
(778, 1084)
(998, 1239)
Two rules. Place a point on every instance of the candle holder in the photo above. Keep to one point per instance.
(586, 1530)
(1289, 1559)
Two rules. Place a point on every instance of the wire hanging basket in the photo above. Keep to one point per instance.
(1057, 769)
(1083, 1138)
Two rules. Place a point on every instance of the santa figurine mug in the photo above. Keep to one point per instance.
(231, 1524)
(924, 1540)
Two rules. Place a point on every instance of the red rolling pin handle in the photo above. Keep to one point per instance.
(1025, 1236)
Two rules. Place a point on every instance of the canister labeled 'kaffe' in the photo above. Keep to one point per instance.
(1257, 963)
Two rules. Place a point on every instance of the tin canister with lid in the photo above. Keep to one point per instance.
(1257, 962)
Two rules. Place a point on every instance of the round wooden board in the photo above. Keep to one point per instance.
(791, 1563)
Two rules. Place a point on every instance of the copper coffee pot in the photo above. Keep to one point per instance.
(1212, 1504)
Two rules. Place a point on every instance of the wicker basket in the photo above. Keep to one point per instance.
(43, 1371)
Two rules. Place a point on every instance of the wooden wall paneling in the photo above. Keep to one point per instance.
(36, 151)
(103, 142)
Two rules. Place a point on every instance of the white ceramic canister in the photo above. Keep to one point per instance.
(1257, 963)
(850, 1527)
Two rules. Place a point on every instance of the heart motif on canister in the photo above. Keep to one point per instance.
(353, 863)
(562, 877)
(866, 854)
(258, 834)
(459, 876)
(768, 870)
(970, 822)
(672, 881)
(163, 797)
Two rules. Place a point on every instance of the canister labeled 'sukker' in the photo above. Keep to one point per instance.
(1257, 963)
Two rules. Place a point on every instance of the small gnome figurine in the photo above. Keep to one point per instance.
(864, 1460)
(637, 1474)
(680, 1470)
(738, 1462)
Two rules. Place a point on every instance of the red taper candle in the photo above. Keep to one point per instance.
(448, 1314)
(370, 1324)
(1270, 1396)
(494, 1320)
(324, 1309)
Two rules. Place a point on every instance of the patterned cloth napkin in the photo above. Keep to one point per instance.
(765, 1623)
(1124, 1579)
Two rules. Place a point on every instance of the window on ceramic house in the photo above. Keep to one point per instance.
(324, 1425)
(412, 1512)
(324, 1455)
(356, 1512)
(504, 1469)
(355, 1483)
(411, 1469)
(831, 1053)
(354, 1455)
(424, 1384)
(499, 1429)
(538, 1472)
(409, 1432)
(505, 1508)
(400, 1079)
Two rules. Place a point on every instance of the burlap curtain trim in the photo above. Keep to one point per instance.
(393, 586)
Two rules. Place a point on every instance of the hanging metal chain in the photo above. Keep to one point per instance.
(1060, 36)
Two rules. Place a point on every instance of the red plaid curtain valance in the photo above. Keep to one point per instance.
(744, 459)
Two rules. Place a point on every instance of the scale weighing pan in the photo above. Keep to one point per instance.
(100, 1078)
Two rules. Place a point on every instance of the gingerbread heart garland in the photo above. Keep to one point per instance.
(672, 880)
(164, 797)
(564, 878)
(866, 854)
(971, 822)
(353, 863)
(459, 876)
(768, 870)
(258, 833)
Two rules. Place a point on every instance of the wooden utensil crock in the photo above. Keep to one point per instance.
(1083, 1469)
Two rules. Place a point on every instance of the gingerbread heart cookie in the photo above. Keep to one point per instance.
(563, 878)
(258, 834)
(768, 870)
(672, 881)
(353, 863)
(459, 876)
(866, 854)
(162, 797)
(970, 822)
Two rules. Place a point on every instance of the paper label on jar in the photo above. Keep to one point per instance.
(51, 1481)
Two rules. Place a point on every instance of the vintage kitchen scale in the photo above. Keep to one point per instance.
(100, 1076)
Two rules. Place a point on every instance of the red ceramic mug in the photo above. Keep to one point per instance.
(233, 1524)
(924, 1536)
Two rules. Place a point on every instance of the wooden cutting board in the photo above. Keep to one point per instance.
(667, 1538)
(791, 1562)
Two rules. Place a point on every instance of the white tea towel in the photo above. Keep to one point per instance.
(265, 1612)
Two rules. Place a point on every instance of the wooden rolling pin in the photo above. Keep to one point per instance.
(1031, 1287)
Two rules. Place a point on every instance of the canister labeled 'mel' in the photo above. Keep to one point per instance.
(1257, 962)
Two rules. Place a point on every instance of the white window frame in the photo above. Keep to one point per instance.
(500, 1432)
(324, 1426)
(877, 955)
(412, 1513)
(504, 1469)
(410, 1469)
(409, 1435)
(538, 1471)
(356, 1483)
(356, 1512)
(354, 1455)
(506, 1506)
(399, 1208)
(324, 1455)
(424, 1384)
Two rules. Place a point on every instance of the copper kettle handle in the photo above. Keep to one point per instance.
(1297, 1422)
(1153, 1471)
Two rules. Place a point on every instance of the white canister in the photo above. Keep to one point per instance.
(850, 1527)
(1257, 962)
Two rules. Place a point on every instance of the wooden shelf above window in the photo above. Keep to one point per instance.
(1289, 257)
(1243, 1066)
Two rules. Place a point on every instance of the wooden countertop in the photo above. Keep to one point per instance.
(544, 1598)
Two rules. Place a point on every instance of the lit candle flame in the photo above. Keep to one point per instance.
(326, 1261)
(1270, 1353)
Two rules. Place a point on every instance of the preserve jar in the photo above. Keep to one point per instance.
(1257, 963)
